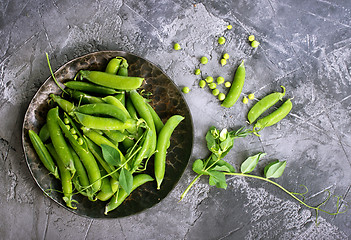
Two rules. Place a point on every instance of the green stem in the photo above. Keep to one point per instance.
(285, 190)
(188, 188)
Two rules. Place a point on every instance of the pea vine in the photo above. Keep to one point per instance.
(220, 143)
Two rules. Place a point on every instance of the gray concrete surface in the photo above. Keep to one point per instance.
(305, 46)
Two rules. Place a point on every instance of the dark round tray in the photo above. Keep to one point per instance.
(167, 101)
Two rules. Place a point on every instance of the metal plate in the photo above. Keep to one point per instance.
(167, 100)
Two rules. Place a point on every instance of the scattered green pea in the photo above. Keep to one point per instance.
(73, 131)
(212, 85)
(215, 92)
(202, 83)
(80, 141)
(186, 90)
(227, 84)
(221, 96)
(245, 100)
(226, 56)
(177, 46)
(255, 44)
(197, 71)
(251, 38)
(66, 121)
(221, 40)
(204, 60)
(251, 96)
(223, 62)
(209, 79)
(229, 27)
(220, 80)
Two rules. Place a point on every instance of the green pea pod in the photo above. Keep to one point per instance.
(44, 133)
(161, 149)
(115, 136)
(108, 188)
(113, 65)
(157, 120)
(114, 101)
(58, 140)
(123, 68)
(103, 123)
(90, 87)
(274, 117)
(265, 103)
(83, 97)
(111, 80)
(117, 199)
(236, 88)
(103, 109)
(66, 177)
(86, 157)
(43, 153)
(143, 111)
(131, 109)
(121, 97)
(67, 106)
(144, 151)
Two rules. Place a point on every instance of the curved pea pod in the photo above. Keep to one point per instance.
(90, 87)
(113, 65)
(104, 123)
(123, 68)
(121, 195)
(144, 151)
(157, 120)
(103, 109)
(111, 80)
(66, 177)
(121, 97)
(236, 88)
(67, 106)
(59, 141)
(43, 153)
(108, 188)
(83, 97)
(162, 145)
(265, 103)
(86, 157)
(117, 103)
(274, 117)
(44, 134)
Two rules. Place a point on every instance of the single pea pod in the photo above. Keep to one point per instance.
(115, 102)
(44, 133)
(104, 123)
(144, 151)
(117, 199)
(157, 120)
(113, 65)
(58, 140)
(115, 136)
(103, 109)
(121, 97)
(67, 106)
(236, 88)
(83, 97)
(274, 117)
(43, 153)
(123, 68)
(162, 145)
(111, 80)
(108, 188)
(131, 109)
(90, 87)
(265, 103)
(65, 176)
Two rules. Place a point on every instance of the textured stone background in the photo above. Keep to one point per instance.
(305, 46)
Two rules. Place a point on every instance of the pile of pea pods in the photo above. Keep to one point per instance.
(100, 134)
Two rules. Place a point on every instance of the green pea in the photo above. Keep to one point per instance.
(223, 62)
(66, 121)
(221, 40)
(212, 85)
(73, 131)
(226, 56)
(215, 92)
(209, 79)
(75, 137)
(229, 27)
(251, 96)
(202, 83)
(227, 84)
(186, 90)
(251, 38)
(255, 44)
(220, 80)
(176, 46)
(80, 141)
(68, 126)
(197, 71)
(221, 96)
(245, 100)
(204, 60)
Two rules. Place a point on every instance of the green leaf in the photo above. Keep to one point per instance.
(198, 166)
(227, 145)
(275, 169)
(268, 165)
(126, 180)
(251, 162)
(111, 155)
(211, 141)
(218, 179)
(226, 164)
(220, 168)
